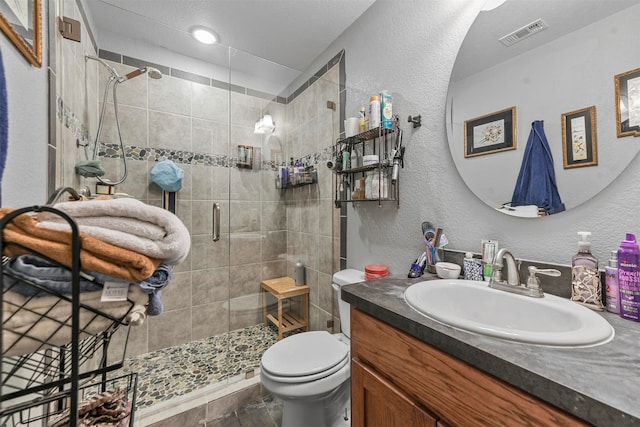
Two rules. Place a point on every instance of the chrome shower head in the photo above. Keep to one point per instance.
(154, 73)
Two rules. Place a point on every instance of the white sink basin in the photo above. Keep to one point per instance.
(474, 307)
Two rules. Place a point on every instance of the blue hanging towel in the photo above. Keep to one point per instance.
(4, 122)
(536, 184)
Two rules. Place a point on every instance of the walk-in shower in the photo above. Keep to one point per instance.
(113, 81)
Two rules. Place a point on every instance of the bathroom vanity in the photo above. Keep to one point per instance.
(410, 370)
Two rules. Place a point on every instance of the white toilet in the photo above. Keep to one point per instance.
(311, 371)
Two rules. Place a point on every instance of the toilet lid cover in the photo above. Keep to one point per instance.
(303, 354)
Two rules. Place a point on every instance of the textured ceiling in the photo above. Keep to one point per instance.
(288, 32)
(482, 49)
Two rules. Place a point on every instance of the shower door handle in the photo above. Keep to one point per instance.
(215, 232)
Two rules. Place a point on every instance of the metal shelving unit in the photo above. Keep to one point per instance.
(42, 380)
(384, 142)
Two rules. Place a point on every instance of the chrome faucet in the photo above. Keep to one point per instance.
(513, 275)
(532, 287)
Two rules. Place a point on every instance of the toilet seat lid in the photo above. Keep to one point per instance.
(304, 354)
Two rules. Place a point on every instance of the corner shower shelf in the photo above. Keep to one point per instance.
(290, 180)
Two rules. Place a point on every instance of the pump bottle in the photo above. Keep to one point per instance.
(585, 276)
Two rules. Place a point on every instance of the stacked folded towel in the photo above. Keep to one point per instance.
(132, 225)
(95, 254)
(120, 240)
(50, 278)
(127, 223)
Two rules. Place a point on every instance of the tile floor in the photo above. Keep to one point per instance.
(267, 412)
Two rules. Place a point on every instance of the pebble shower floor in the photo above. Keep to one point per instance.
(175, 371)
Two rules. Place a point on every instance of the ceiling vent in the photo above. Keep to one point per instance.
(524, 32)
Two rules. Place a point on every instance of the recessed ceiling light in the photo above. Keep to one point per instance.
(204, 35)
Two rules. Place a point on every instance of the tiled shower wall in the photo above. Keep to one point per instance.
(197, 123)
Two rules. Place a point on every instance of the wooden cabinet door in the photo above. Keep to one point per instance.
(375, 402)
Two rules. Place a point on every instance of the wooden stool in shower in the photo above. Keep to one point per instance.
(284, 288)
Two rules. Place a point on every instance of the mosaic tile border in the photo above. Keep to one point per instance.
(69, 120)
(133, 152)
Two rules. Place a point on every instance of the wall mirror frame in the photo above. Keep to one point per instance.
(21, 21)
(543, 76)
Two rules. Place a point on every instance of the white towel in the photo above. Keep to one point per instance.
(28, 322)
(127, 223)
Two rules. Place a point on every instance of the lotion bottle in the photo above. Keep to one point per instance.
(586, 288)
(374, 112)
(611, 282)
(629, 278)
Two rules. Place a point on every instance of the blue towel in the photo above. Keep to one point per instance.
(4, 124)
(167, 175)
(48, 275)
(536, 184)
(153, 286)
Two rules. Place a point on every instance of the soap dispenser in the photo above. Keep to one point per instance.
(585, 276)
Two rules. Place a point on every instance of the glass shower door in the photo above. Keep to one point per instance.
(279, 115)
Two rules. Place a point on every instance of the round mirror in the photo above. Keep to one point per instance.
(552, 63)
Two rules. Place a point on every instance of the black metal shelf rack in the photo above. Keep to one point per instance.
(51, 380)
(380, 141)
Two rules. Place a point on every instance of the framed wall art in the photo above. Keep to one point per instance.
(579, 139)
(627, 87)
(21, 21)
(490, 133)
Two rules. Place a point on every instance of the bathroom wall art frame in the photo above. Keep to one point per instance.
(627, 87)
(27, 39)
(491, 133)
(579, 138)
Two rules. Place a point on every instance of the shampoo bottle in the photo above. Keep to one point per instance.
(299, 273)
(611, 282)
(585, 276)
(629, 278)
(374, 112)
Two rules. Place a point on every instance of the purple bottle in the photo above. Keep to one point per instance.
(629, 278)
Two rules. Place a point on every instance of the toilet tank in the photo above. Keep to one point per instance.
(345, 277)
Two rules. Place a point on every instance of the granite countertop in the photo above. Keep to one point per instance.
(599, 384)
